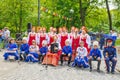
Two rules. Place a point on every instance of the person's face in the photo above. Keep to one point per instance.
(109, 43)
(12, 41)
(95, 46)
(33, 43)
(51, 29)
(44, 30)
(72, 29)
(24, 41)
(67, 43)
(33, 30)
(43, 45)
(81, 44)
(60, 30)
(83, 31)
(55, 39)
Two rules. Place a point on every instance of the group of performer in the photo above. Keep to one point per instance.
(49, 48)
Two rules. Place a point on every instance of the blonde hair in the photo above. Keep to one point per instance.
(44, 42)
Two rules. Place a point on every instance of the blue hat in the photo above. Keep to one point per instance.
(109, 40)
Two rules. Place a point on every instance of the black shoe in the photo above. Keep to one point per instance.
(98, 70)
(61, 64)
(39, 62)
(90, 70)
(112, 72)
(69, 65)
(108, 72)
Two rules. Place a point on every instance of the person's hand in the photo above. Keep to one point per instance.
(23, 52)
(56, 48)
(68, 54)
(90, 57)
(98, 58)
(115, 58)
(82, 56)
(77, 54)
(43, 54)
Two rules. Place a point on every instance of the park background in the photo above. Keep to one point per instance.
(96, 15)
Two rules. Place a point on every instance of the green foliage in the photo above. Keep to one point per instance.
(96, 18)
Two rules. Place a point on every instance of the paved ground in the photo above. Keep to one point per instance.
(34, 71)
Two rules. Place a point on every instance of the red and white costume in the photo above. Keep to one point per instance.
(41, 37)
(63, 37)
(75, 40)
(87, 41)
(32, 36)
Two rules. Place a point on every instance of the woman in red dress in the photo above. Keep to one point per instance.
(75, 40)
(51, 35)
(72, 31)
(32, 36)
(64, 36)
(85, 38)
(42, 36)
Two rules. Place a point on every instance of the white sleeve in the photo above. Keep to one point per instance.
(47, 38)
(59, 38)
(77, 50)
(28, 37)
(38, 38)
(85, 54)
(49, 47)
(88, 40)
(59, 47)
(37, 48)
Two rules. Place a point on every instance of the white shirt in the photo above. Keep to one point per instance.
(7, 33)
(114, 34)
(34, 48)
(82, 51)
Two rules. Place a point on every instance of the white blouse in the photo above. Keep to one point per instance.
(82, 51)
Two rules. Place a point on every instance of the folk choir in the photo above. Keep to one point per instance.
(52, 47)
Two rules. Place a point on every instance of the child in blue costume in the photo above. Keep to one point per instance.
(95, 55)
(66, 51)
(110, 55)
(24, 49)
(11, 50)
(43, 51)
(81, 59)
(33, 53)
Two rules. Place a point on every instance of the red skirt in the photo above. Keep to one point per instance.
(31, 38)
(51, 59)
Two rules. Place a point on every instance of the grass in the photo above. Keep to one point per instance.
(117, 42)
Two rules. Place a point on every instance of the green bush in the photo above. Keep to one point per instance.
(117, 42)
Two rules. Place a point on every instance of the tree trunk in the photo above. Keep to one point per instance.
(82, 13)
(109, 15)
(20, 26)
(38, 12)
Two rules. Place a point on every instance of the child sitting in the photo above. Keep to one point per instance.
(11, 50)
(24, 49)
(33, 53)
(43, 51)
(95, 55)
(66, 51)
(81, 59)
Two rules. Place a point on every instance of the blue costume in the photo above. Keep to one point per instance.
(81, 60)
(11, 52)
(109, 55)
(24, 50)
(95, 54)
(33, 54)
(43, 52)
(102, 41)
(67, 50)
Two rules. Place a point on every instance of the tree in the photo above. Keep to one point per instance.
(109, 15)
